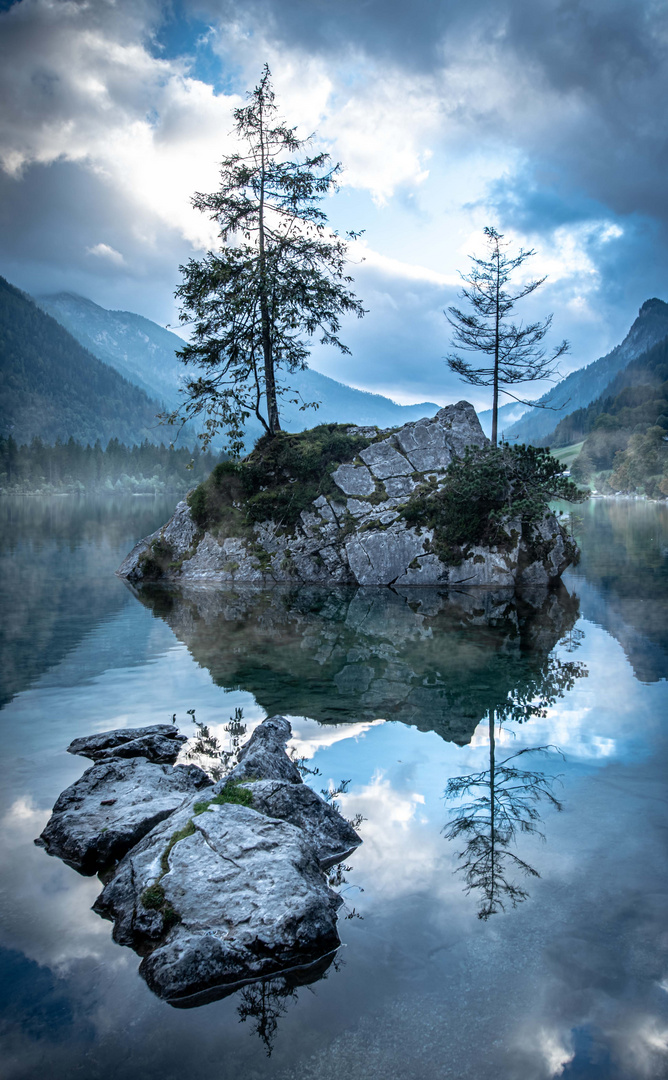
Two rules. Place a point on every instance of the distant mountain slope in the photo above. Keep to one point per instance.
(581, 387)
(637, 398)
(53, 388)
(144, 352)
(508, 414)
(626, 430)
(340, 403)
(137, 348)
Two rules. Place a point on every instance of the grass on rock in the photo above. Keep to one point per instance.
(485, 490)
(279, 479)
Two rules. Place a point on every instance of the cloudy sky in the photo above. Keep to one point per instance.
(544, 118)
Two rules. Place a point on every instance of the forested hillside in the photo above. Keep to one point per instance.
(626, 430)
(636, 396)
(581, 387)
(140, 350)
(52, 388)
(145, 353)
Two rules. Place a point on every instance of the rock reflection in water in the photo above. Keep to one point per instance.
(437, 661)
(265, 1002)
(503, 800)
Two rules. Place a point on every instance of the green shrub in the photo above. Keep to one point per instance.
(153, 896)
(483, 491)
(281, 477)
(156, 559)
(234, 793)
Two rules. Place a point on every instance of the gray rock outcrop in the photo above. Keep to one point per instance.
(263, 757)
(159, 743)
(213, 893)
(330, 835)
(112, 806)
(358, 536)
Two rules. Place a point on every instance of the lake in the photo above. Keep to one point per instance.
(552, 961)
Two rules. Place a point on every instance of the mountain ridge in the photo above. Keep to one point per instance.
(115, 337)
(579, 388)
(51, 387)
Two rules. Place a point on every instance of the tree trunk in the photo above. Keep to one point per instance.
(495, 399)
(267, 351)
(269, 379)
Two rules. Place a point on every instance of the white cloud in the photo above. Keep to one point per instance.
(80, 92)
(571, 253)
(396, 268)
(308, 736)
(422, 151)
(552, 1047)
(393, 858)
(49, 918)
(103, 251)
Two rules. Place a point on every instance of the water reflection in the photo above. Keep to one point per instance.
(498, 803)
(439, 662)
(623, 578)
(428, 989)
(265, 1003)
(57, 562)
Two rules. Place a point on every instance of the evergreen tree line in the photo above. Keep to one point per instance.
(144, 468)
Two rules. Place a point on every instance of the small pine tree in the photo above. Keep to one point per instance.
(515, 352)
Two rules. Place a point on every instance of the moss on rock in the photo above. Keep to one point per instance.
(482, 492)
(277, 481)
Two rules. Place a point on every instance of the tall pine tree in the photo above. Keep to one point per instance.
(278, 279)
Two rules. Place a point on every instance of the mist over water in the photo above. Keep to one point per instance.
(410, 697)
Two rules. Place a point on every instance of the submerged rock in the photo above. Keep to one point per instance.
(357, 535)
(112, 806)
(220, 885)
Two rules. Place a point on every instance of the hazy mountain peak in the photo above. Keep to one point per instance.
(653, 306)
(145, 353)
(586, 384)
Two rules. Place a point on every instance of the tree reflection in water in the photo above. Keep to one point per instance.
(504, 799)
(265, 1003)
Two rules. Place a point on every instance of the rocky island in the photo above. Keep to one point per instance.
(342, 505)
(215, 885)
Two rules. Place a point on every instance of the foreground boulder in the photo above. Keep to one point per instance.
(356, 532)
(238, 896)
(263, 757)
(112, 806)
(160, 743)
(330, 835)
(226, 884)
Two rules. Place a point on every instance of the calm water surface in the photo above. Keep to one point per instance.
(550, 961)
